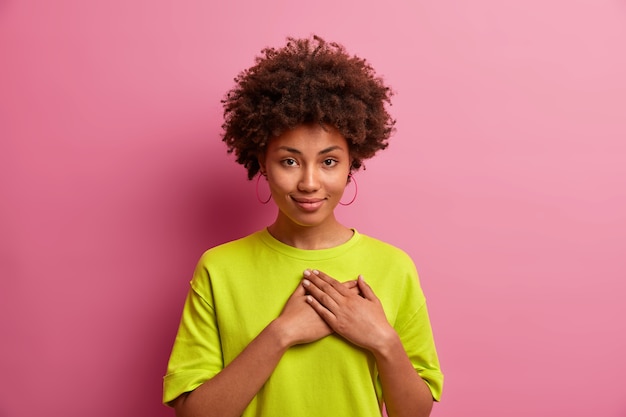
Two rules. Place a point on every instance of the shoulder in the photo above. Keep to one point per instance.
(215, 261)
(384, 249)
(232, 249)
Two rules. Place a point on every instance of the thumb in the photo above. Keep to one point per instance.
(366, 290)
(300, 290)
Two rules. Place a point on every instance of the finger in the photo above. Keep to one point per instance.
(299, 291)
(366, 290)
(322, 311)
(355, 290)
(350, 284)
(327, 283)
(320, 294)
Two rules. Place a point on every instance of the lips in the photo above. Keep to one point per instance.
(308, 204)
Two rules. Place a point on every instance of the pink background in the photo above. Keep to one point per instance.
(506, 182)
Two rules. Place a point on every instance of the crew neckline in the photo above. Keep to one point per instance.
(308, 254)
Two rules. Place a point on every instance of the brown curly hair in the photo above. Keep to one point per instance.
(306, 81)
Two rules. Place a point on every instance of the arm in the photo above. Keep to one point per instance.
(405, 393)
(229, 392)
(361, 320)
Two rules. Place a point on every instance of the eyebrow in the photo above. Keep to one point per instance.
(322, 152)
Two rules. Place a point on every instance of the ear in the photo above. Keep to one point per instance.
(261, 160)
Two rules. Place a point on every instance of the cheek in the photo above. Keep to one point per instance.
(280, 183)
(338, 184)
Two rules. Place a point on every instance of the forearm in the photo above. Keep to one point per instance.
(405, 392)
(230, 391)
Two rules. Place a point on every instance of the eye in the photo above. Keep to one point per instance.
(329, 162)
(290, 162)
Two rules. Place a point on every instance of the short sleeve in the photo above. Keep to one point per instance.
(417, 338)
(415, 331)
(196, 355)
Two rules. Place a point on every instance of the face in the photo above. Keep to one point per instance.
(307, 170)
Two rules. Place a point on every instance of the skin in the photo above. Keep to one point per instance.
(307, 170)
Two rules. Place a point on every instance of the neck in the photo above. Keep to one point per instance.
(324, 236)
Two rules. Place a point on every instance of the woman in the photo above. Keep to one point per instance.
(282, 322)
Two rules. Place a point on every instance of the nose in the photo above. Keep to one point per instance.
(309, 180)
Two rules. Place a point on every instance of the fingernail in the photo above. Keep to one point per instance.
(306, 273)
(306, 282)
(316, 272)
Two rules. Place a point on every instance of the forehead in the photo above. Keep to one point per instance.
(309, 138)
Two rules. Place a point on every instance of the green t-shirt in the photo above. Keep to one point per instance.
(239, 287)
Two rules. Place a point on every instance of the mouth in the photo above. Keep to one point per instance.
(308, 204)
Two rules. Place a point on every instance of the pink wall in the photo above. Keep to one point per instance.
(506, 181)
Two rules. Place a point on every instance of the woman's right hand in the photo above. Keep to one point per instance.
(300, 323)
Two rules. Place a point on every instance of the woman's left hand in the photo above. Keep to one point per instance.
(359, 318)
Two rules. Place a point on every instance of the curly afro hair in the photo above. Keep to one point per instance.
(307, 81)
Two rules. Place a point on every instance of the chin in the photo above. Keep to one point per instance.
(310, 220)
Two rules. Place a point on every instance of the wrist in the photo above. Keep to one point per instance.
(387, 344)
(279, 334)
